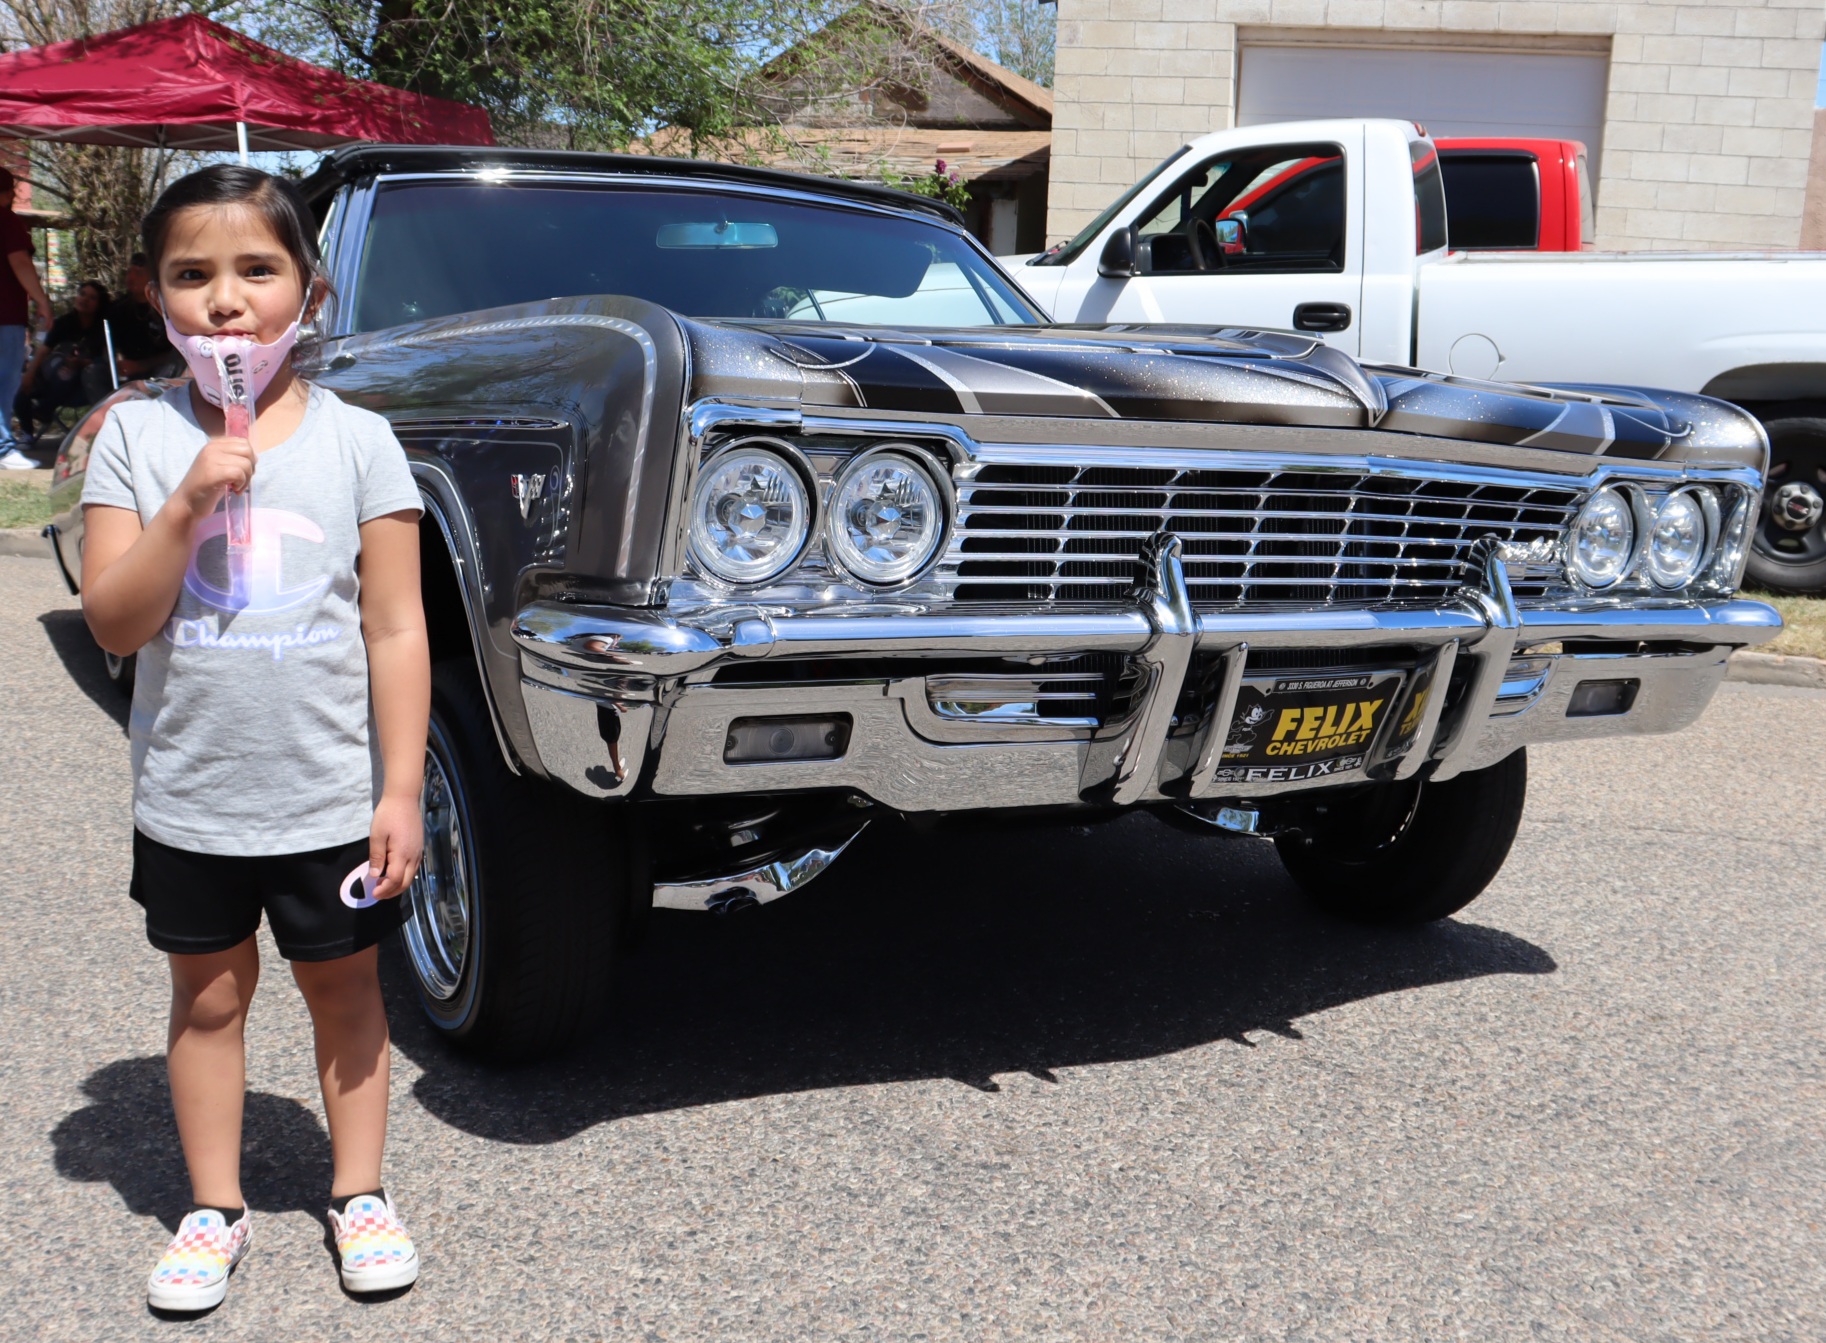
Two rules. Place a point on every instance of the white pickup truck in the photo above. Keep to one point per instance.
(1340, 227)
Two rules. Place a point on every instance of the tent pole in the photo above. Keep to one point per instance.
(241, 140)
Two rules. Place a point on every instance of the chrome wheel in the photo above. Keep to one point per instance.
(439, 923)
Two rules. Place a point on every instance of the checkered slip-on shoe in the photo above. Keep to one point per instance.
(193, 1275)
(375, 1251)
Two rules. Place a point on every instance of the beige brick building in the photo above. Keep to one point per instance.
(1699, 117)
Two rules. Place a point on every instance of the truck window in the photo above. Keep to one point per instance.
(1493, 199)
(1062, 254)
(1285, 203)
(442, 247)
(1429, 197)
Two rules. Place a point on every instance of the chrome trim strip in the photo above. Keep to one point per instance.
(1217, 723)
(465, 559)
(632, 640)
(1438, 682)
(762, 882)
(1335, 628)
(1738, 621)
(914, 694)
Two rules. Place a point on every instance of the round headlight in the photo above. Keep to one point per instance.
(887, 517)
(1677, 541)
(749, 516)
(1602, 537)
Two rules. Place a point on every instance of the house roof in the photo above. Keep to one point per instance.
(862, 151)
(998, 77)
(1025, 100)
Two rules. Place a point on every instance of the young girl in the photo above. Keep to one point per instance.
(279, 715)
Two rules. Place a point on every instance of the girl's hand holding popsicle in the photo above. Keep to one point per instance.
(225, 463)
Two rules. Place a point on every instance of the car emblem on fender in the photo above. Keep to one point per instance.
(526, 488)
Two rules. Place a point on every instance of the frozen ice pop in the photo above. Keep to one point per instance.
(237, 422)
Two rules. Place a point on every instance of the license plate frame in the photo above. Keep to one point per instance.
(1295, 726)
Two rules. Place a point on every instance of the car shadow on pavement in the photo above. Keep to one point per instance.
(960, 954)
(126, 1136)
(81, 656)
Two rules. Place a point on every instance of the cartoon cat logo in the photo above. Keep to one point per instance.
(1242, 731)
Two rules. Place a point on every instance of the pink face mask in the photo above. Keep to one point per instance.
(256, 364)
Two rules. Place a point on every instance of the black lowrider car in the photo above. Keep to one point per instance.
(760, 504)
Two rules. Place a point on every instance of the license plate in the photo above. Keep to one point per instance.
(1290, 728)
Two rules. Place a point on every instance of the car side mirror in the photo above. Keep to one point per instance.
(1230, 235)
(1118, 259)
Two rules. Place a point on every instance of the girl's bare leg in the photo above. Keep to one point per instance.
(353, 1061)
(206, 1058)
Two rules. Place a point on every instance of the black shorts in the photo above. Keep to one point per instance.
(199, 903)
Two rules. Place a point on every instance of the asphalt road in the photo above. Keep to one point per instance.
(1113, 1085)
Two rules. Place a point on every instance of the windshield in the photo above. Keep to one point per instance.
(436, 248)
(1065, 253)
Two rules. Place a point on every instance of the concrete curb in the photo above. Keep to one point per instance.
(1776, 669)
(24, 541)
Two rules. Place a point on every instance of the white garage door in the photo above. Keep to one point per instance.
(1551, 95)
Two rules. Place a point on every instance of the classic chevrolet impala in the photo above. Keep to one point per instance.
(793, 510)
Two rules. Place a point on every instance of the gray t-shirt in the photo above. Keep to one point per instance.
(251, 724)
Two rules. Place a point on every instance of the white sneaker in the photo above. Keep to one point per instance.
(376, 1253)
(15, 460)
(193, 1275)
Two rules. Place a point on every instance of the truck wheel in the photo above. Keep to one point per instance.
(1789, 551)
(120, 670)
(511, 922)
(1408, 852)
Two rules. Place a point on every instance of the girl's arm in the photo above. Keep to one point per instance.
(131, 574)
(399, 680)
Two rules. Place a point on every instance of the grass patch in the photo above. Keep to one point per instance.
(1804, 619)
(25, 498)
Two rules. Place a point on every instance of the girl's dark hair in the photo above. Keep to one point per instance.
(101, 290)
(276, 199)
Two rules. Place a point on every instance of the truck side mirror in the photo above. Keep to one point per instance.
(1118, 259)
(1232, 233)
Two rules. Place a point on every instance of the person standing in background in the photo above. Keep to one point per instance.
(19, 284)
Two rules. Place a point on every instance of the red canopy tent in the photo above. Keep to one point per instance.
(190, 83)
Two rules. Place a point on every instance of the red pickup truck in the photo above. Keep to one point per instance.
(1502, 195)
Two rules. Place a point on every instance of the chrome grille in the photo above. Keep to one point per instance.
(1041, 532)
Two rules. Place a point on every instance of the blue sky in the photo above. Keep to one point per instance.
(1819, 98)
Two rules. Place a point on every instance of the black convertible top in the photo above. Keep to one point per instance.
(355, 161)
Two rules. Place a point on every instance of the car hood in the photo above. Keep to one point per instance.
(1198, 374)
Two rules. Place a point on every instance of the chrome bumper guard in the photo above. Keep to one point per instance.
(617, 695)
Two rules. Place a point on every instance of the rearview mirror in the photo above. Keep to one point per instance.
(720, 234)
(1230, 234)
(1118, 259)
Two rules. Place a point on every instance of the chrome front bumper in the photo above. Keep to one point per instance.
(617, 697)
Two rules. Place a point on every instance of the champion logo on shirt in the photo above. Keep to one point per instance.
(251, 582)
